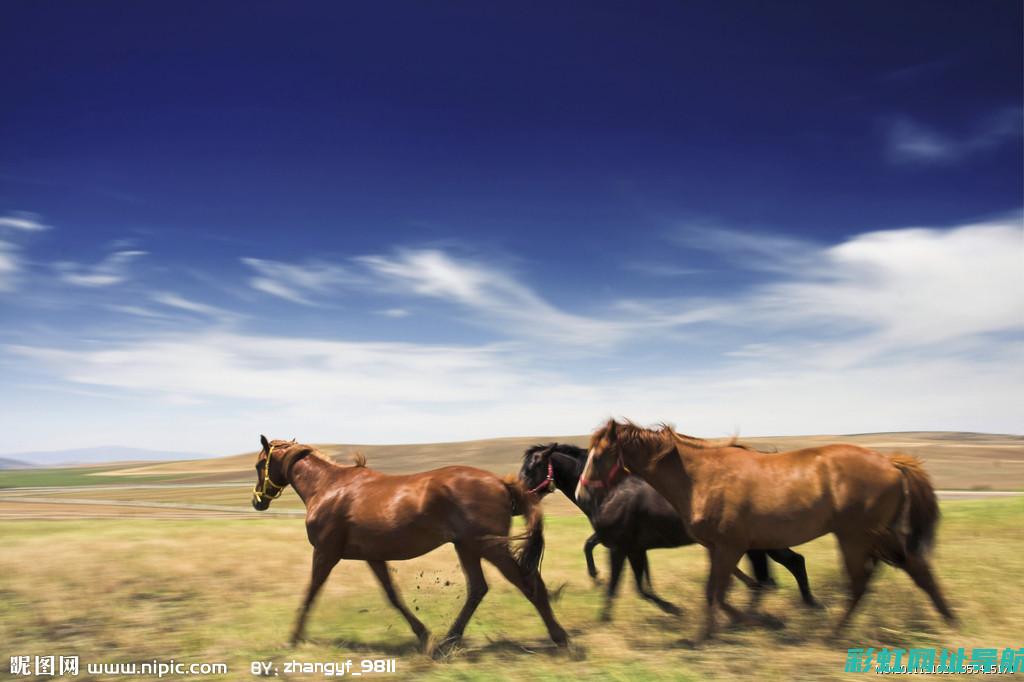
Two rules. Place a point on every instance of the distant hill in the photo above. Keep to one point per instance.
(104, 453)
(7, 463)
(955, 460)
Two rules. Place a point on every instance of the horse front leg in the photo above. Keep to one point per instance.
(323, 563)
(860, 565)
(642, 574)
(795, 564)
(380, 569)
(588, 553)
(723, 562)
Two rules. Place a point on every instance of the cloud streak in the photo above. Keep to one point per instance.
(494, 297)
(114, 269)
(22, 221)
(909, 142)
(305, 284)
(910, 328)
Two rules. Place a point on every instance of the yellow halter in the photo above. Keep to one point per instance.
(261, 491)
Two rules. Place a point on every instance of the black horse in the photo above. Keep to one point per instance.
(632, 519)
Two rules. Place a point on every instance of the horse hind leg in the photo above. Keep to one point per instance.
(476, 588)
(532, 586)
(642, 574)
(916, 565)
(380, 569)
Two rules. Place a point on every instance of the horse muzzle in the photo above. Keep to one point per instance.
(260, 502)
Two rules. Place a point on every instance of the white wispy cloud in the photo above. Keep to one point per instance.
(747, 249)
(908, 288)
(12, 263)
(110, 271)
(302, 283)
(491, 295)
(229, 387)
(393, 312)
(873, 294)
(285, 370)
(24, 221)
(9, 266)
(911, 142)
(909, 328)
(659, 269)
(173, 300)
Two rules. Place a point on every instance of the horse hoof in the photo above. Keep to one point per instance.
(446, 647)
(605, 616)
(560, 638)
(813, 603)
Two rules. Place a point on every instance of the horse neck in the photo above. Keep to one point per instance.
(309, 475)
(567, 471)
(675, 474)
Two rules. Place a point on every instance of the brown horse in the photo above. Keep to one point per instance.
(880, 507)
(353, 512)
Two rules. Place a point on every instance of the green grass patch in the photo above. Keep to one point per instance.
(70, 476)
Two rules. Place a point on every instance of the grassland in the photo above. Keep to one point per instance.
(136, 563)
(227, 591)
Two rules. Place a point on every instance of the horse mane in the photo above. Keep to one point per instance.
(704, 443)
(564, 448)
(358, 458)
(664, 438)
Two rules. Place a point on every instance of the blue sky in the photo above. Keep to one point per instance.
(433, 221)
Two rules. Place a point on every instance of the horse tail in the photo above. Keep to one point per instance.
(529, 553)
(920, 514)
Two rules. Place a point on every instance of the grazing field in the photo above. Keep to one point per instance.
(227, 591)
(165, 561)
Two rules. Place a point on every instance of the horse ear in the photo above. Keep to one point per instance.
(612, 424)
(264, 442)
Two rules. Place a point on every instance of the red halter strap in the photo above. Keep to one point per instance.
(547, 481)
(609, 480)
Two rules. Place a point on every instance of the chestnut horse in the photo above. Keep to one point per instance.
(353, 512)
(880, 507)
(631, 519)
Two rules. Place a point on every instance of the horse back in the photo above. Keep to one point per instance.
(402, 516)
(788, 498)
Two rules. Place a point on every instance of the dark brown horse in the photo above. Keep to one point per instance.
(880, 507)
(353, 512)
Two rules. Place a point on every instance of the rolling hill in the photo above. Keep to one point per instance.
(954, 459)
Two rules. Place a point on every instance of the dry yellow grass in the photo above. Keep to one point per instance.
(135, 590)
